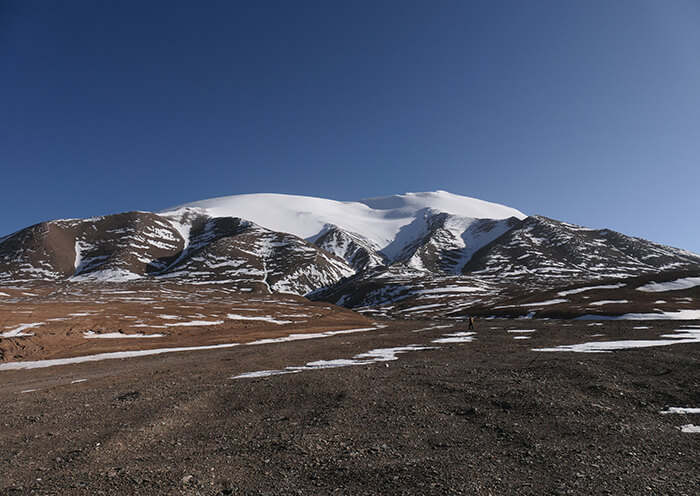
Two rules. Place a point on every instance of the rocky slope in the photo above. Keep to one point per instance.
(421, 255)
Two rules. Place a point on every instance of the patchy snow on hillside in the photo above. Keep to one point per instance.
(590, 288)
(687, 314)
(607, 302)
(19, 330)
(678, 284)
(107, 275)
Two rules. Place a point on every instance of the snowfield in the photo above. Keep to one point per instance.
(387, 223)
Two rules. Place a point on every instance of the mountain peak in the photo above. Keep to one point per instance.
(413, 255)
(377, 220)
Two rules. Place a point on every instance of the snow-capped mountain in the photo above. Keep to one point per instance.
(386, 224)
(414, 255)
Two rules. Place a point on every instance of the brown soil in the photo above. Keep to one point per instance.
(183, 315)
(485, 417)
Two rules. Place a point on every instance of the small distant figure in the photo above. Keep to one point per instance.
(471, 322)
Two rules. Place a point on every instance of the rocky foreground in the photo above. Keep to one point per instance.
(384, 411)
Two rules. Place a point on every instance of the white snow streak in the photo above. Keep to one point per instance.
(158, 351)
(589, 288)
(456, 337)
(234, 316)
(193, 323)
(678, 284)
(18, 331)
(107, 356)
(316, 335)
(688, 314)
(118, 335)
(607, 302)
(368, 358)
(682, 336)
(680, 410)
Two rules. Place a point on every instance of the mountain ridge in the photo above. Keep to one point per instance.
(396, 252)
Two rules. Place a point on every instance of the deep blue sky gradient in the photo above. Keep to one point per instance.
(586, 111)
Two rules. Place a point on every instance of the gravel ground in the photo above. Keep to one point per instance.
(483, 417)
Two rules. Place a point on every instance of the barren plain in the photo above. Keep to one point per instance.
(324, 401)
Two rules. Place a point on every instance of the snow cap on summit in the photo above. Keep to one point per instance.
(376, 219)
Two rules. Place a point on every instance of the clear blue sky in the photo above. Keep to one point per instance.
(585, 111)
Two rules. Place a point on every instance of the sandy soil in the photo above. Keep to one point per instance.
(483, 417)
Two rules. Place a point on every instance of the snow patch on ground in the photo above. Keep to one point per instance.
(680, 410)
(19, 330)
(456, 337)
(678, 284)
(193, 323)
(607, 302)
(159, 351)
(118, 335)
(269, 319)
(368, 358)
(316, 335)
(589, 288)
(544, 303)
(448, 289)
(107, 356)
(688, 314)
(433, 328)
(682, 336)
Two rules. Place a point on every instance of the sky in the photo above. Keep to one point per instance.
(583, 111)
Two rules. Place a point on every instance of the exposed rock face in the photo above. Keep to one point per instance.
(546, 252)
(120, 246)
(537, 266)
(135, 245)
(358, 252)
(240, 253)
